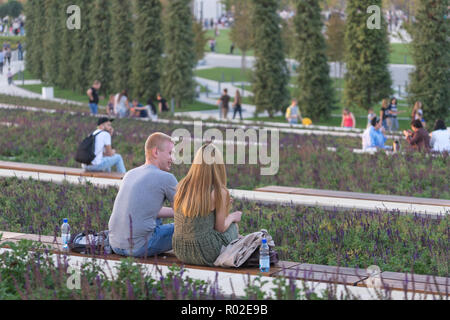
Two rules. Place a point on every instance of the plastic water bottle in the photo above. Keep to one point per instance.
(264, 256)
(65, 235)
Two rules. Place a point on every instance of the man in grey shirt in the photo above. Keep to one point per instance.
(135, 227)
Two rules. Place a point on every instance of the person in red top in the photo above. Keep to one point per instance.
(348, 119)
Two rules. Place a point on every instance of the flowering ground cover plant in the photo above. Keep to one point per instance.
(355, 238)
(29, 271)
(43, 138)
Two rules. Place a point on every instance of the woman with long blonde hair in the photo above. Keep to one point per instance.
(417, 112)
(203, 223)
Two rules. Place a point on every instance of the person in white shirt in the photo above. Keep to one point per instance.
(121, 105)
(105, 156)
(440, 137)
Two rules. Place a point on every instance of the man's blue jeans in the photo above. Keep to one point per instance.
(107, 163)
(94, 108)
(161, 241)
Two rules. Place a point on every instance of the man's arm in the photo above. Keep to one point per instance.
(169, 191)
(109, 151)
(89, 93)
(413, 139)
(166, 212)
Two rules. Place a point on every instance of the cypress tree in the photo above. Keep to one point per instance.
(82, 49)
(100, 63)
(368, 79)
(271, 75)
(316, 96)
(148, 48)
(35, 11)
(121, 44)
(242, 30)
(52, 40)
(64, 79)
(431, 53)
(178, 78)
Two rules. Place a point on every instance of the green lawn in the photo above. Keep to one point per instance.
(223, 43)
(73, 96)
(196, 106)
(224, 74)
(61, 93)
(398, 53)
(28, 76)
(13, 40)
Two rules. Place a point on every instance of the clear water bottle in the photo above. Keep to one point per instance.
(65, 235)
(264, 256)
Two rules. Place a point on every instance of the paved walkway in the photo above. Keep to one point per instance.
(13, 90)
(212, 60)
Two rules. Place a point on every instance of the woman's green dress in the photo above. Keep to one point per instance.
(196, 242)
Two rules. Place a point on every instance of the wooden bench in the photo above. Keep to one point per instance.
(296, 270)
(413, 282)
(58, 170)
(355, 195)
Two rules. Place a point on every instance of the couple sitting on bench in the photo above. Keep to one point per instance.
(200, 202)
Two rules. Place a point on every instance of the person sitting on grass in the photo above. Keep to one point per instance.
(105, 156)
(122, 105)
(110, 106)
(373, 136)
(370, 116)
(418, 138)
(203, 223)
(135, 225)
(440, 137)
(151, 109)
(138, 110)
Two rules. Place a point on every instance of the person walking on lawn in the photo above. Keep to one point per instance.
(135, 225)
(224, 103)
(237, 105)
(92, 93)
(293, 114)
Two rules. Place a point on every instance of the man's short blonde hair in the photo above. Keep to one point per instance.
(156, 140)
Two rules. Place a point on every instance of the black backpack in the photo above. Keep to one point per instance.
(86, 150)
(90, 243)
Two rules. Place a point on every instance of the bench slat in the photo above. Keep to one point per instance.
(417, 278)
(418, 287)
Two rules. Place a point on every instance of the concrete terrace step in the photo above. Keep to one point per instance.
(236, 124)
(351, 277)
(356, 195)
(326, 199)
